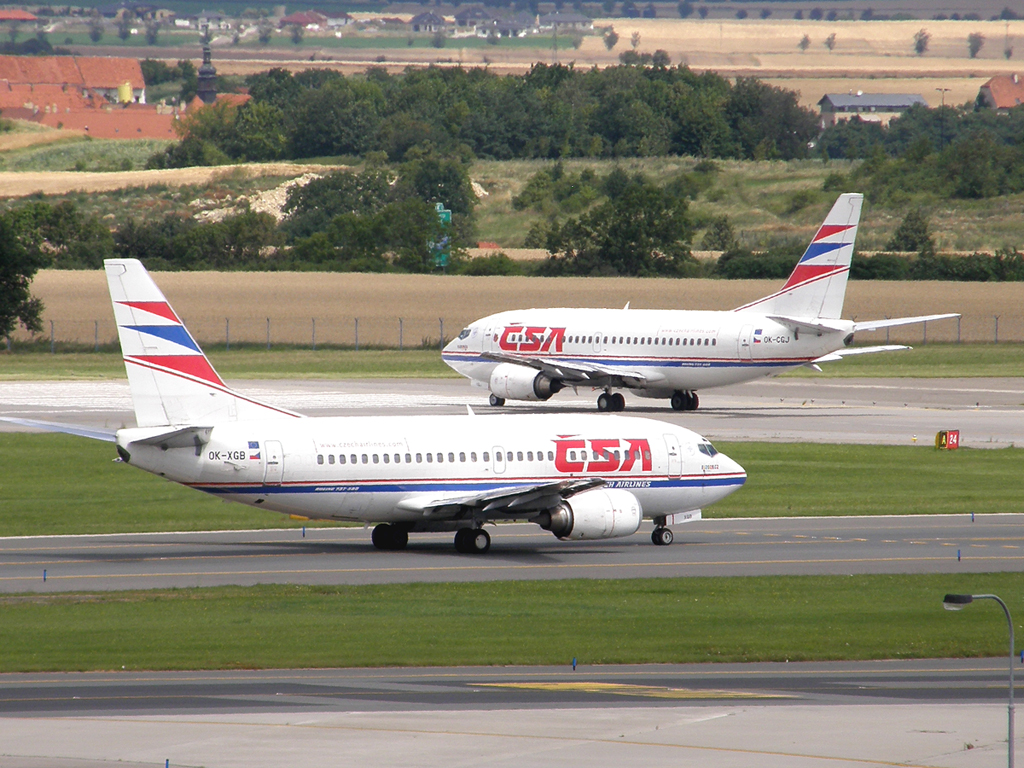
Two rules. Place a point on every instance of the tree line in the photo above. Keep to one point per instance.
(549, 112)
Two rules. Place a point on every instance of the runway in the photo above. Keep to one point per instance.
(989, 412)
(791, 546)
(909, 713)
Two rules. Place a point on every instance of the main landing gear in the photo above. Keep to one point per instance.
(684, 401)
(497, 402)
(389, 538)
(472, 541)
(611, 401)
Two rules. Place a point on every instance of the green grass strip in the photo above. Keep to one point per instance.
(795, 618)
(58, 484)
(254, 362)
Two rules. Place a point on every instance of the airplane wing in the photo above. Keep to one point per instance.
(107, 435)
(512, 500)
(874, 325)
(577, 373)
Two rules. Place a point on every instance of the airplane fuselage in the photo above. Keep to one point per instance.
(672, 349)
(376, 469)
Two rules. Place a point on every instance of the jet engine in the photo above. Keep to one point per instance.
(603, 513)
(517, 382)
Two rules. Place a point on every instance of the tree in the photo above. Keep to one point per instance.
(96, 30)
(703, 11)
(741, 13)
(124, 25)
(439, 40)
(830, 42)
(296, 34)
(685, 9)
(264, 30)
(765, 13)
(152, 33)
(921, 38)
(611, 39)
(805, 43)
(719, 235)
(18, 265)
(912, 233)
(817, 14)
(1008, 52)
(975, 41)
(634, 40)
(831, 16)
(259, 132)
(799, 15)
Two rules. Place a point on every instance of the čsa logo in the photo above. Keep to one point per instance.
(614, 455)
(538, 338)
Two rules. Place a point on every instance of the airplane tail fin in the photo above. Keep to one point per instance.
(817, 286)
(171, 381)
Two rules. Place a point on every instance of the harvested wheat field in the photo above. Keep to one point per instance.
(237, 305)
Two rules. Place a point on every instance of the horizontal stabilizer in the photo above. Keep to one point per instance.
(105, 435)
(812, 325)
(874, 325)
(839, 354)
(187, 437)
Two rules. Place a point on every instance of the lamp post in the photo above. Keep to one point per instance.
(957, 602)
(942, 136)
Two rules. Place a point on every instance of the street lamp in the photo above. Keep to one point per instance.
(942, 141)
(957, 602)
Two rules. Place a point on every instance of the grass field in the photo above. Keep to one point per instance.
(57, 484)
(598, 622)
(82, 154)
(249, 362)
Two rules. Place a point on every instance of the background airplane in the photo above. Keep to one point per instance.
(578, 476)
(534, 353)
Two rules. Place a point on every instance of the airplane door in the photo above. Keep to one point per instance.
(675, 459)
(743, 350)
(275, 463)
(597, 342)
(499, 460)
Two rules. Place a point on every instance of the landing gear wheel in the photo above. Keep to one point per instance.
(472, 541)
(497, 402)
(662, 537)
(604, 402)
(618, 402)
(694, 401)
(679, 401)
(389, 538)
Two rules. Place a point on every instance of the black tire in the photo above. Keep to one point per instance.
(679, 401)
(461, 540)
(496, 401)
(399, 538)
(603, 402)
(381, 537)
(695, 401)
(662, 537)
(618, 402)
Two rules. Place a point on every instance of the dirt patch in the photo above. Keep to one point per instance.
(14, 184)
(30, 138)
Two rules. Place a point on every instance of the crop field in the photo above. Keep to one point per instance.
(222, 308)
(88, 493)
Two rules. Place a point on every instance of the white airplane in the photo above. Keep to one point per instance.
(532, 354)
(578, 476)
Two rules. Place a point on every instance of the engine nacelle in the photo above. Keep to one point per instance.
(517, 382)
(603, 513)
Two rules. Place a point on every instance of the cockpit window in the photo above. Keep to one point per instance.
(465, 333)
(707, 449)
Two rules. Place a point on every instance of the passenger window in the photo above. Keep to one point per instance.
(353, 458)
(714, 342)
(398, 458)
(366, 459)
(319, 458)
(596, 455)
(451, 458)
(376, 459)
(472, 456)
(529, 455)
(408, 458)
(387, 459)
(419, 458)
(487, 456)
(509, 456)
(440, 458)
(341, 458)
(462, 456)
(519, 456)
(605, 339)
(430, 458)
(330, 458)
(551, 455)
(572, 455)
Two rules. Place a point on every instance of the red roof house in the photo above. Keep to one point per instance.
(1002, 92)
